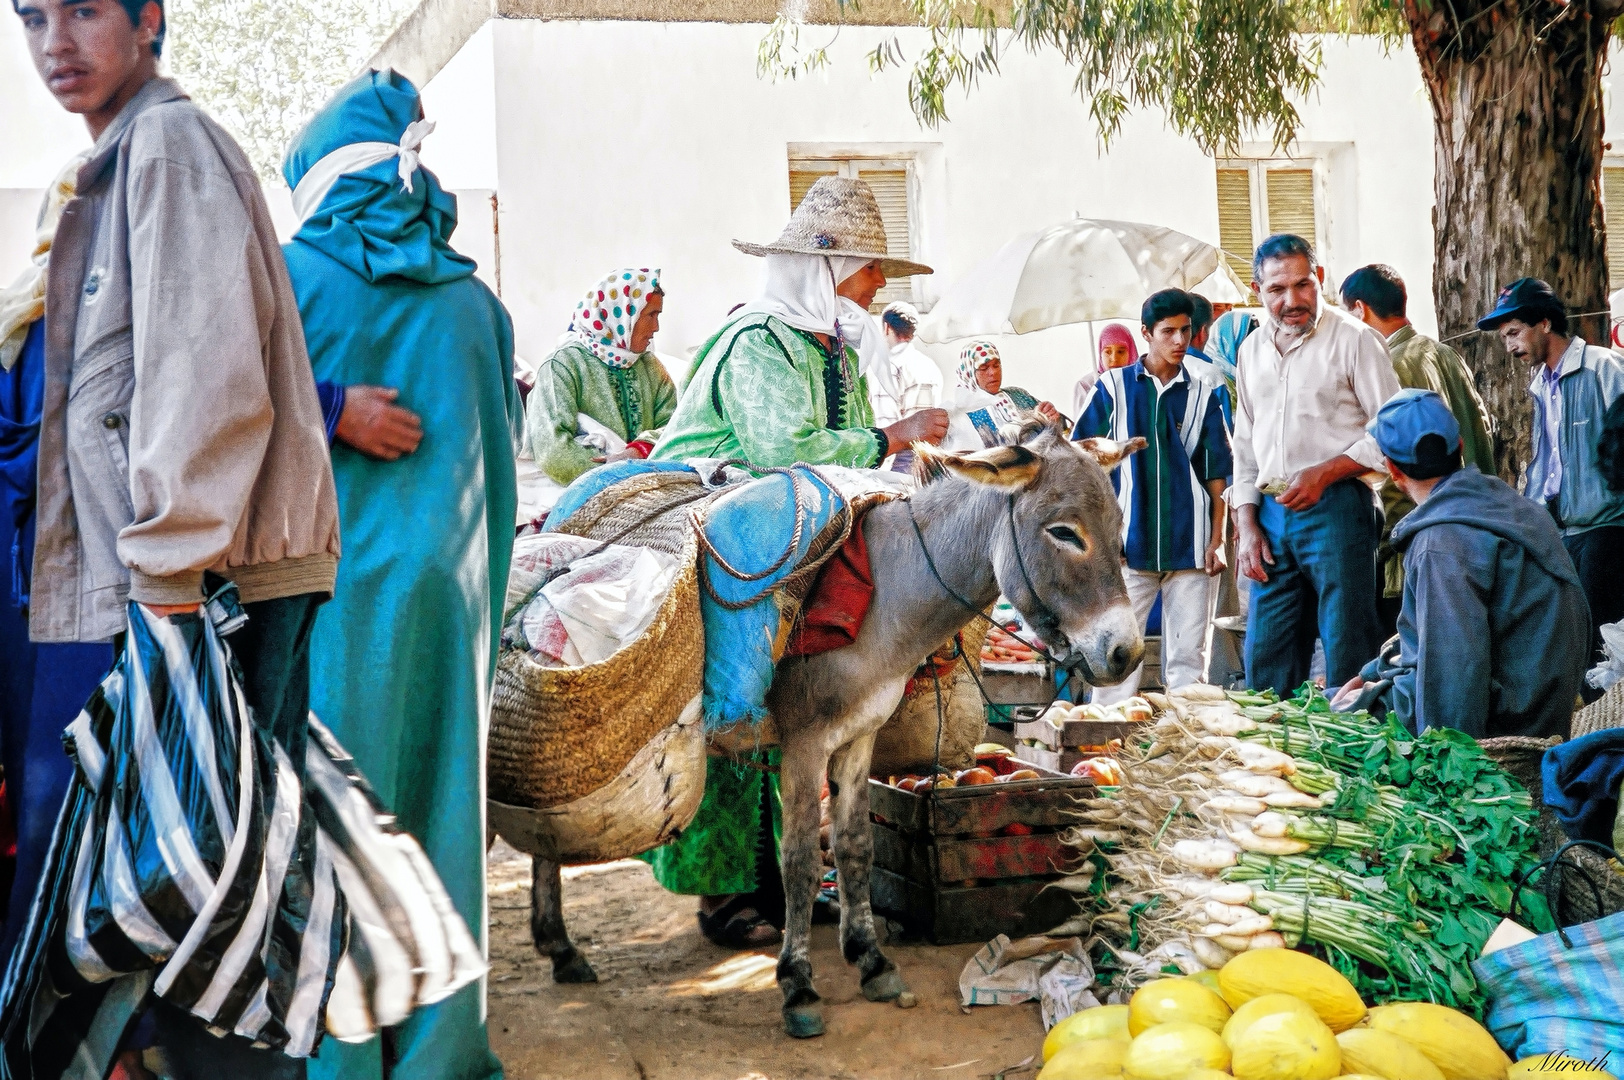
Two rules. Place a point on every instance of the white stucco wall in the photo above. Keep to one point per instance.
(636, 143)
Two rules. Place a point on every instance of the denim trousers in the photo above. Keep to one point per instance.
(1322, 584)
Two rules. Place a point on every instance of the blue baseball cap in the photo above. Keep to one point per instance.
(1408, 417)
(1528, 299)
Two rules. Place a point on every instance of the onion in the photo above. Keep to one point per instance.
(1253, 785)
(1239, 805)
(1233, 942)
(1231, 893)
(1264, 845)
(1269, 939)
(1272, 826)
(1209, 952)
(1293, 800)
(1206, 854)
(1228, 914)
(1257, 924)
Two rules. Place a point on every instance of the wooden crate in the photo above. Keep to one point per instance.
(1060, 741)
(942, 870)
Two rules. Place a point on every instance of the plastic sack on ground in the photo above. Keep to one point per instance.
(1546, 997)
(1055, 971)
(192, 861)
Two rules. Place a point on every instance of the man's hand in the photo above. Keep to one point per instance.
(163, 611)
(1214, 561)
(1251, 546)
(1307, 487)
(374, 425)
(1049, 412)
(926, 425)
(1346, 695)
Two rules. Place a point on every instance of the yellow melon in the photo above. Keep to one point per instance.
(1460, 1046)
(1286, 1046)
(1164, 1001)
(1100, 1022)
(1174, 1051)
(1250, 1011)
(1540, 1066)
(1286, 971)
(1380, 1053)
(1089, 1059)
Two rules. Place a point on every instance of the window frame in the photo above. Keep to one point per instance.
(1257, 168)
(849, 164)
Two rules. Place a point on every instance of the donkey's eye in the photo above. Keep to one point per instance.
(1067, 535)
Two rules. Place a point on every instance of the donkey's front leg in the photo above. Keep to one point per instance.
(800, 782)
(854, 857)
(547, 930)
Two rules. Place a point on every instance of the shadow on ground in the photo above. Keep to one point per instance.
(671, 1006)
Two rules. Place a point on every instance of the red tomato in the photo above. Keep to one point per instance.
(1016, 829)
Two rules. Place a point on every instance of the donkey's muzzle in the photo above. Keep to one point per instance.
(1109, 648)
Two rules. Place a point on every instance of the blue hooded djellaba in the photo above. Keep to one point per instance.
(404, 655)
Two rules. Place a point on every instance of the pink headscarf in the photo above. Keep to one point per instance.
(1117, 334)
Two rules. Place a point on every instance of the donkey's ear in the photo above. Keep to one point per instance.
(1009, 467)
(1110, 453)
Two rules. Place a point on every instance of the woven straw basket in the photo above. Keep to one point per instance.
(653, 798)
(560, 734)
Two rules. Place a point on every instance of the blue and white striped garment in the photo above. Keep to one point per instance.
(1546, 998)
(1166, 510)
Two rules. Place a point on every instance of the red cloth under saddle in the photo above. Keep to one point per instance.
(835, 609)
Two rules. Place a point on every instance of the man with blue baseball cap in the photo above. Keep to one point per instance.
(1493, 638)
(1573, 385)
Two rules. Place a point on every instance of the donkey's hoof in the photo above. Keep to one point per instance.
(574, 970)
(803, 1021)
(886, 986)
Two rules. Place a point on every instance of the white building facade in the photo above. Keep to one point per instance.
(626, 133)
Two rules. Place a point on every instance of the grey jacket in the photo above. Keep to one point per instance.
(1590, 379)
(181, 430)
(1494, 635)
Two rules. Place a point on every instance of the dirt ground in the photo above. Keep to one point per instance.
(671, 1006)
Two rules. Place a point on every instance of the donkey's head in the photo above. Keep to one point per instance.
(1057, 547)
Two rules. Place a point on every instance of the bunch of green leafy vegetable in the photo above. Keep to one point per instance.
(1403, 918)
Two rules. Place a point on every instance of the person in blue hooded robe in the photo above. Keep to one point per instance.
(405, 653)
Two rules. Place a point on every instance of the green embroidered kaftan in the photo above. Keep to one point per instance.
(634, 402)
(760, 391)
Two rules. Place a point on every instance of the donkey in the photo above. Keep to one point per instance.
(1037, 522)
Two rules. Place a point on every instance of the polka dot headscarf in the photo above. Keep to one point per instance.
(605, 317)
(972, 358)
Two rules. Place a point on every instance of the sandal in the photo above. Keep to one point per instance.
(737, 925)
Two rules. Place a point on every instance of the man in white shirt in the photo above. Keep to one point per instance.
(1310, 379)
(911, 382)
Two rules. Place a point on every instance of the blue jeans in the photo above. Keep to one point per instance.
(1322, 584)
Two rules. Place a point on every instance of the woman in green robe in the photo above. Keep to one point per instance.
(403, 655)
(604, 371)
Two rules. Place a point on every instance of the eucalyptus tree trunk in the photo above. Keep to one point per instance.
(1517, 106)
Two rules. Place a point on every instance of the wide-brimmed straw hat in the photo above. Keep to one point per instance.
(838, 217)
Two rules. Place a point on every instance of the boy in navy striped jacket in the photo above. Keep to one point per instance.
(1171, 494)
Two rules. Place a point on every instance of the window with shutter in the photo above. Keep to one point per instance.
(888, 179)
(1612, 197)
(1291, 203)
(1235, 220)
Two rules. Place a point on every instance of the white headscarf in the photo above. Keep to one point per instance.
(800, 290)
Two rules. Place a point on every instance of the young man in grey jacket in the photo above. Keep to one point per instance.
(1493, 633)
(181, 435)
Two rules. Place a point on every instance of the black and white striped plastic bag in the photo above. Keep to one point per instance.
(191, 860)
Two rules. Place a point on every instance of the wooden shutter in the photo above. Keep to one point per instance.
(803, 174)
(890, 187)
(1235, 220)
(1291, 202)
(1612, 197)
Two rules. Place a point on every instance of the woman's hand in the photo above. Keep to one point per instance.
(1049, 412)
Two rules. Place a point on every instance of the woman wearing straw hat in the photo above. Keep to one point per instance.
(783, 382)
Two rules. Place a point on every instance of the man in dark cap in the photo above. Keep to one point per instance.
(1573, 385)
(1492, 635)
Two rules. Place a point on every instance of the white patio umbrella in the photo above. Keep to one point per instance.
(1079, 271)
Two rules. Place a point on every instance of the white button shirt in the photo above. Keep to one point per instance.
(1309, 404)
(918, 383)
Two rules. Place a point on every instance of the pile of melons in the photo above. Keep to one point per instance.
(1277, 1014)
